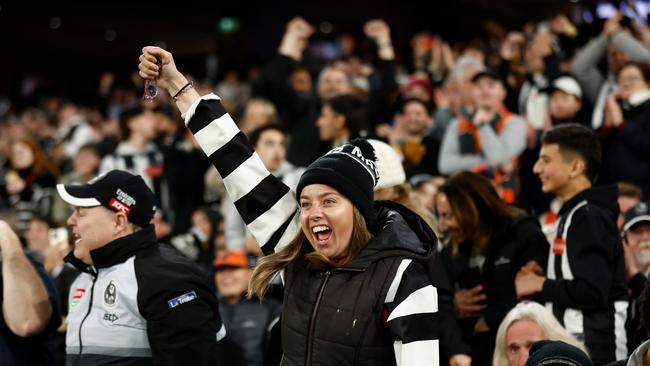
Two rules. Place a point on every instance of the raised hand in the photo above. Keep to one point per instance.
(612, 25)
(295, 38)
(158, 63)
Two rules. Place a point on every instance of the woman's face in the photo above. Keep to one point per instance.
(326, 217)
(447, 222)
(519, 337)
(22, 156)
(630, 80)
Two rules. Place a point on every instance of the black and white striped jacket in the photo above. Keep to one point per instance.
(586, 281)
(270, 211)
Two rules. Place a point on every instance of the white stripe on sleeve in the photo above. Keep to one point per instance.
(619, 329)
(216, 134)
(392, 290)
(245, 177)
(267, 223)
(424, 300)
(417, 353)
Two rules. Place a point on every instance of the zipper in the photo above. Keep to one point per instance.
(314, 312)
(90, 306)
(312, 321)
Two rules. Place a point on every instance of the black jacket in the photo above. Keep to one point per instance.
(141, 304)
(343, 316)
(626, 149)
(512, 245)
(586, 283)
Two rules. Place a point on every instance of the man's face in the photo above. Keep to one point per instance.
(330, 124)
(488, 93)
(638, 239)
(271, 149)
(232, 282)
(563, 105)
(416, 118)
(333, 82)
(92, 227)
(519, 338)
(552, 168)
(144, 125)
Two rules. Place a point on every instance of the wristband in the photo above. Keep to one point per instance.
(185, 88)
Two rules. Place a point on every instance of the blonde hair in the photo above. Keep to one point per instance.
(406, 197)
(528, 310)
(270, 265)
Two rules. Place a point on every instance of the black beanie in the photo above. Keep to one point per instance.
(351, 169)
(550, 353)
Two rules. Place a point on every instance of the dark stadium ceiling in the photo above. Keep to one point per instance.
(73, 38)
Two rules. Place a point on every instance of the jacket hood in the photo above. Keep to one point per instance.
(604, 197)
(397, 231)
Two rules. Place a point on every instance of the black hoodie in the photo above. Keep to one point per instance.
(586, 273)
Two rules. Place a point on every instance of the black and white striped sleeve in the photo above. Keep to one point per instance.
(412, 315)
(267, 206)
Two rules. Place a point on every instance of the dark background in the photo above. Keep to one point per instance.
(67, 45)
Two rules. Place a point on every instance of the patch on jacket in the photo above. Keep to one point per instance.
(180, 300)
(110, 295)
(76, 299)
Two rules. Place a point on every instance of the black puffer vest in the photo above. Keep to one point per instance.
(336, 317)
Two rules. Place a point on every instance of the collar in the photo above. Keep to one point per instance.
(638, 98)
(117, 251)
(573, 201)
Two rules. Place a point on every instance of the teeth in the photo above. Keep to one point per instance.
(318, 229)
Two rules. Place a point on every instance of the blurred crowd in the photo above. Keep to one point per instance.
(452, 119)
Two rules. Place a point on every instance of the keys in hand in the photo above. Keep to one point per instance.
(150, 86)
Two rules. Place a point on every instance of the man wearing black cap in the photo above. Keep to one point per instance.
(135, 302)
(636, 240)
(489, 141)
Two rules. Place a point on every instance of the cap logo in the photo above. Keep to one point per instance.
(641, 208)
(125, 198)
(119, 206)
(355, 153)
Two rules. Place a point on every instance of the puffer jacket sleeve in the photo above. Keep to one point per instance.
(411, 315)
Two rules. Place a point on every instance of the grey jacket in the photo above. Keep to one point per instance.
(497, 148)
(594, 84)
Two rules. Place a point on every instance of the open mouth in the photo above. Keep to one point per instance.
(322, 233)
